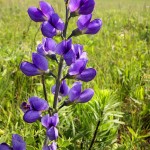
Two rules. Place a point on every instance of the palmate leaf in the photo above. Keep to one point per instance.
(80, 120)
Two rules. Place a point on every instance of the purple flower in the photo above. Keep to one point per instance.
(42, 14)
(17, 143)
(64, 89)
(80, 54)
(39, 65)
(65, 48)
(52, 24)
(86, 26)
(53, 146)
(77, 95)
(47, 47)
(33, 109)
(78, 70)
(50, 123)
(81, 7)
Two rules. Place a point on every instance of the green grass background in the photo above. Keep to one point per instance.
(120, 53)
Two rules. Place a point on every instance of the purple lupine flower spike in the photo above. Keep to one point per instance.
(33, 109)
(53, 146)
(17, 144)
(39, 65)
(81, 7)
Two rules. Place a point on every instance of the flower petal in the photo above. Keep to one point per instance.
(84, 56)
(18, 143)
(46, 8)
(54, 120)
(29, 69)
(64, 46)
(78, 49)
(52, 133)
(36, 14)
(46, 148)
(48, 30)
(85, 96)
(60, 48)
(87, 7)
(70, 57)
(64, 89)
(53, 146)
(31, 116)
(49, 44)
(45, 120)
(74, 5)
(75, 91)
(25, 107)
(93, 27)
(41, 49)
(53, 89)
(87, 75)
(38, 104)
(57, 22)
(83, 21)
(77, 67)
(40, 61)
(4, 146)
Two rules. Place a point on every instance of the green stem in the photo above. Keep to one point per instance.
(44, 88)
(60, 66)
(58, 82)
(94, 136)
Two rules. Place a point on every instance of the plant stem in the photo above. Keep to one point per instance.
(58, 82)
(60, 66)
(66, 20)
(94, 136)
(45, 95)
(44, 88)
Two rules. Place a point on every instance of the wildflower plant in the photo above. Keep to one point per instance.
(66, 54)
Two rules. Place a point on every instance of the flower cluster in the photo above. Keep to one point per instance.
(17, 144)
(72, 64)
(51, 25)
(33, 109)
